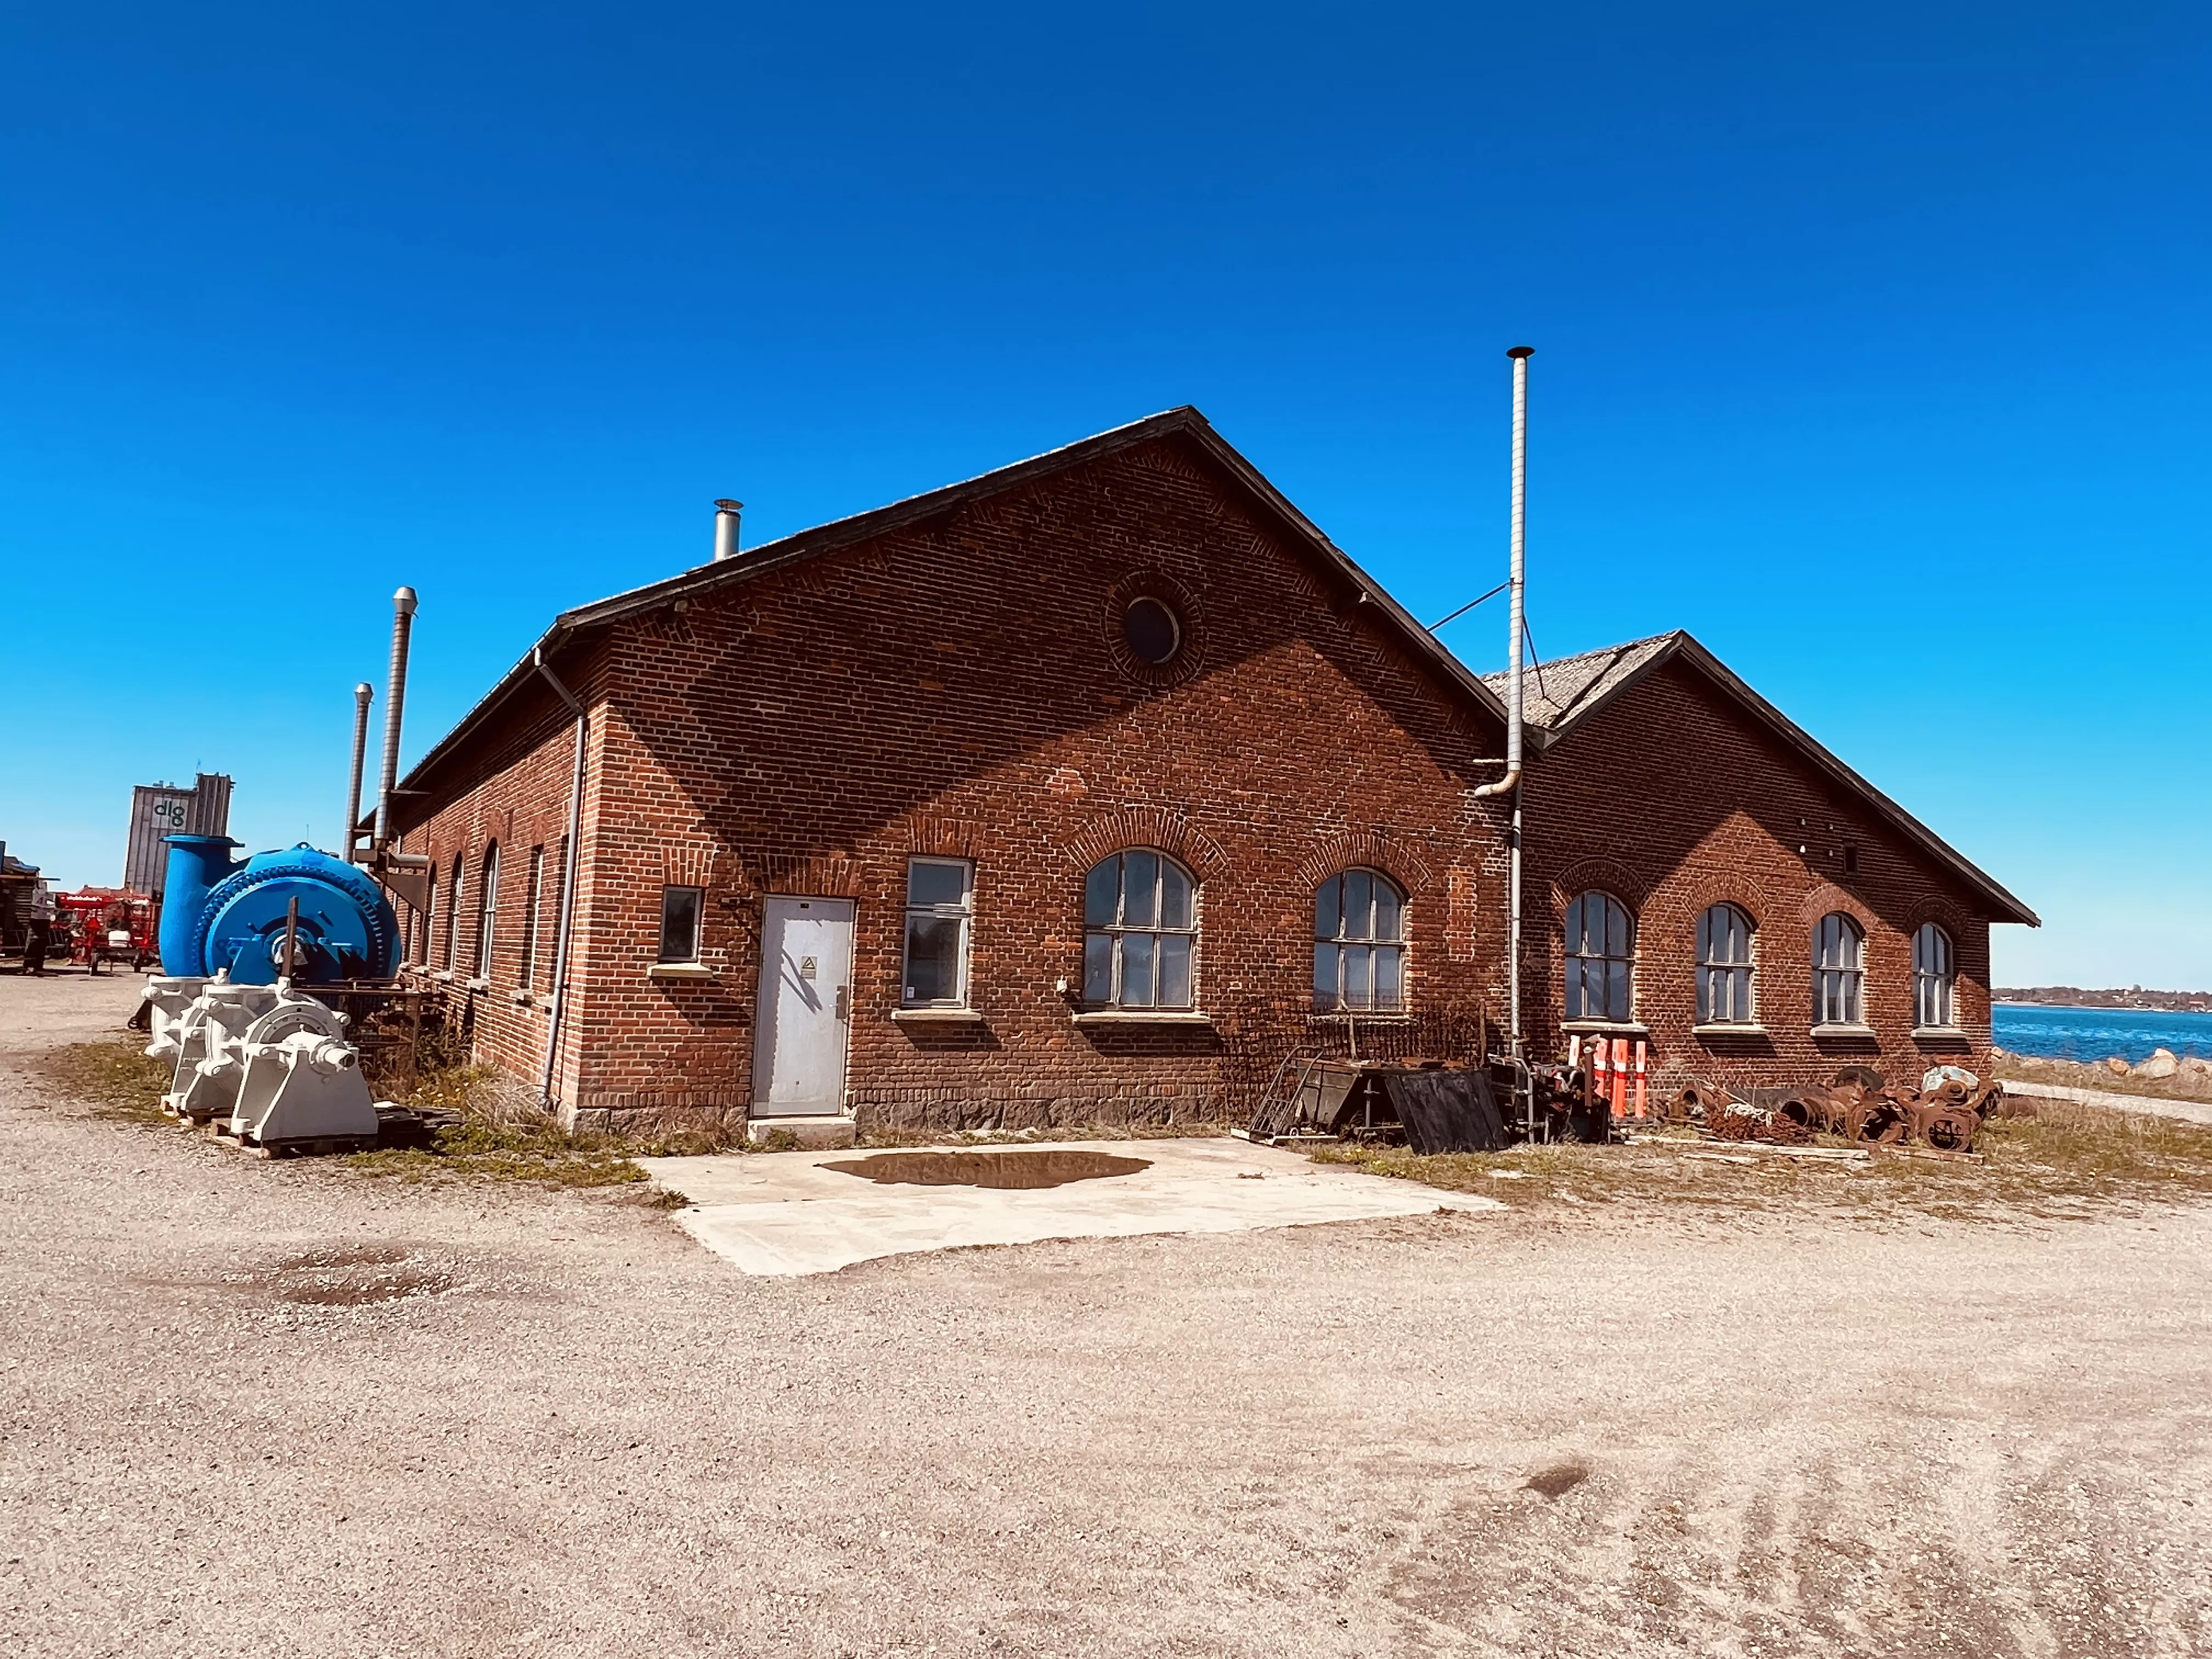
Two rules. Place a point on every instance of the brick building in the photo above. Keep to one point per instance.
(1768, 915)
(1085, 790)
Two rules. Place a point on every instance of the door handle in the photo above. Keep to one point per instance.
(844, 1002)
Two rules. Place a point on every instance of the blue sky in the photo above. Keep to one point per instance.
(1872, 347)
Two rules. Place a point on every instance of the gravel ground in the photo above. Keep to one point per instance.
(279, 1408)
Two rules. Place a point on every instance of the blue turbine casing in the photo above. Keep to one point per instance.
(198, 865)
(347, 929)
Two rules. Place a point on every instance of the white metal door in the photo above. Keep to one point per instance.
(806, 1007)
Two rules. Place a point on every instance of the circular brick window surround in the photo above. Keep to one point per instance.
(1150, 623)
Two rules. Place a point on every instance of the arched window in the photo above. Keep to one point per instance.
(1600, 959)
(487, 908)
(1838, 972)
(1140, 932)
(1724, 967)
(1359, 942)
(1933, 976)
(454, 918)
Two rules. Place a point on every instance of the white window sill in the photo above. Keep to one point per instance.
(1724, 1029)
(1843, 1030)
(937, 1016)
(1939, 1033)
(480, 985)
(520, 999)
(680, 970)
(1365, 1016)
(1142, 1016)
(1606, 1027)
(443, 975)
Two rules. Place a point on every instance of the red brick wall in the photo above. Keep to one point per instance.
(962, 688)
(511, 790)
(1673, 800)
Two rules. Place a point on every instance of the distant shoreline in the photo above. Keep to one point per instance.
(2132, 1000)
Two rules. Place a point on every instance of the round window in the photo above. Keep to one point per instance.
(1152, 631)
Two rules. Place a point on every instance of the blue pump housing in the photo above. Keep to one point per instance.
(218, 915)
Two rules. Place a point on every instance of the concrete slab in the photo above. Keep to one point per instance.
(785, 1213)
(2189, 1111)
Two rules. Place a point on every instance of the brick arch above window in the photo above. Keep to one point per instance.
(929, 835)
(1945, 914)
(687, 865)
(1365, 849)
(1828, 898)
(1604, 875)
(1687, 901)
(1147, 826)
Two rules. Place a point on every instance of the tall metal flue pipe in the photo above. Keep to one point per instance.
(362, 694)
(1520, 354)
(395, 704)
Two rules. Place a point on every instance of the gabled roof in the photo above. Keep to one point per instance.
(771, 556)
(1561, 696)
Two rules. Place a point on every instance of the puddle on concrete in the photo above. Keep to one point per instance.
(995, 1169)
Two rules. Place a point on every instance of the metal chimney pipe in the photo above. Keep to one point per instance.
(726, 528)
(362, 694)
(1520, 354)
(395, 705)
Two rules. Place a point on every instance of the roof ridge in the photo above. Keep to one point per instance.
(1595, 652)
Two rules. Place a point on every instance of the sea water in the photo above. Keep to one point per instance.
(2094, 1034)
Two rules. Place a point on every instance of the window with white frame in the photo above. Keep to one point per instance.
(1140, 932)
(1932, 980)
(680, 910)
(1838, 972)
(1601, 960)
(454, 918)
(1724, 967)
(487, 908)
(1359, 942)
(939, 901)
(426, 919)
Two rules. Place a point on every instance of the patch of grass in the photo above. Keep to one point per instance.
(115, 1079)
(113, 1076)
(2070, 1159)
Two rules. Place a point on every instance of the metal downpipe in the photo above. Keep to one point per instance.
(561, 932)
(1511, 782)
(1520, 354)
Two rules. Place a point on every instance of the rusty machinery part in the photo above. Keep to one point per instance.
(1947, 1128)
(1698, 1100)
(1988, 1101)
(1876, 1120)
(1825, 1111)
(2001, 1104)
(1806, 1108)
(1749, 1123)
(1865, 1076)
(1949, 1092)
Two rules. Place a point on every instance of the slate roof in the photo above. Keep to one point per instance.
(1557, 697)
(1554, 695)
